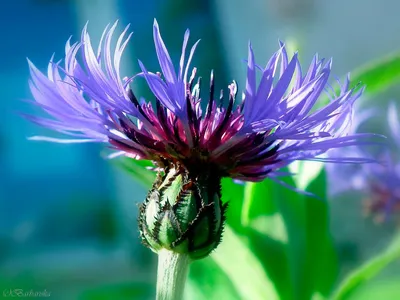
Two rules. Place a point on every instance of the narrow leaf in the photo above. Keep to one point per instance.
(368, 270)
(243, 268)
(137, 168)
(380, 74)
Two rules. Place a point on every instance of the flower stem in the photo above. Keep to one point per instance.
(171, 275)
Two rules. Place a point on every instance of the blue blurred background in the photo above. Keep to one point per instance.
(67, 214)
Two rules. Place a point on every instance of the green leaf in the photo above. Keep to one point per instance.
(257, 203)
(137, 168)
(380, 74)
(311, 251)
(305, 234)
(377, 75)
(292, 207)
(368, 270)
(305, 172)
(385, 288)
(278, 213)
(272, 255)
(207, 281)
(321, 253)
(243, 268)
(224, 276)
(233, 193)
(266, 233)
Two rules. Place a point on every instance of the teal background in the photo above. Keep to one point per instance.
(67, 214)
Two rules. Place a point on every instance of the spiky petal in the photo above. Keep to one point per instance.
(250, 139)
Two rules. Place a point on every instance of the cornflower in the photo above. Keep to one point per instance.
(192, 142)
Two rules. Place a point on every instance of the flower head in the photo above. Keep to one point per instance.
(383, 192)
(248, 139)
(194, 144)
(381, 181)
(378, 182)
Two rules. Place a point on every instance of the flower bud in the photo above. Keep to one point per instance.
(183, 213)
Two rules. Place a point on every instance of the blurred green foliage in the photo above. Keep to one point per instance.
(121, 291)
(277, 244)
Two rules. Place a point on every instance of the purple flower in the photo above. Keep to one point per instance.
(381, 182)
(378, 182)
(382, 191)
(275, 123)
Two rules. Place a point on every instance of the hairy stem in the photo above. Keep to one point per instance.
(171, 275)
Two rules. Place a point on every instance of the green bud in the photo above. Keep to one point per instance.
(183, 213)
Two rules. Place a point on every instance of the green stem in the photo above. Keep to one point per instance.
(171, 275)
